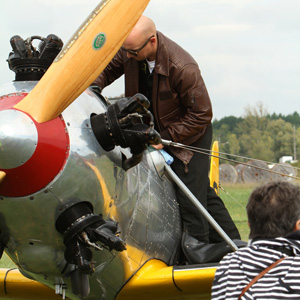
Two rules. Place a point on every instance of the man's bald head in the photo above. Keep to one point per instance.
(143, 30)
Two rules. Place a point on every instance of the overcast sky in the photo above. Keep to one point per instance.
(248, 50)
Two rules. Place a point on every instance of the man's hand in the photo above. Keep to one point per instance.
(158, 147)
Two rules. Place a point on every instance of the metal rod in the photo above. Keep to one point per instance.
(208, 152)
(200, 207)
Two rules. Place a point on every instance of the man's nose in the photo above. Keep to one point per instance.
(129, 55)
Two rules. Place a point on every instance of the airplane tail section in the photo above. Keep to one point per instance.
(214, 175)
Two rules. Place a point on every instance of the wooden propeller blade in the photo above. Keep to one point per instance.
(2, 175)
(84, 57)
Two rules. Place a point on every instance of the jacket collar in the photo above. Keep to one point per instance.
(162, 56)
(290, 241)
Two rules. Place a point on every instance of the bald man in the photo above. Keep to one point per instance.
(170, 78)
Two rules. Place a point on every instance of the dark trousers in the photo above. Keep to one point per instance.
(197, 181)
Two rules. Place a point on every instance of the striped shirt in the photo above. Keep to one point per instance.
(237, 269)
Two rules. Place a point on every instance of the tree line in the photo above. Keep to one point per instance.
(259, 135)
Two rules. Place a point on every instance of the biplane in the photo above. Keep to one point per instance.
(81, 219)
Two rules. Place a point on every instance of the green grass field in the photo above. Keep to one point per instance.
(235, 197)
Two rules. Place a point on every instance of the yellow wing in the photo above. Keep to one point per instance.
(154, 280)
(13, 285)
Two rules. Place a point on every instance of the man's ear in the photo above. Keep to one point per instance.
(297, 226)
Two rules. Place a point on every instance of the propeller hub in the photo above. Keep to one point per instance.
(32, 154)
(18, 138)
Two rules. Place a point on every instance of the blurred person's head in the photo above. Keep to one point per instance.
(274, 210)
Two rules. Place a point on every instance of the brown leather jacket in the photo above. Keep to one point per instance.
(181, 104)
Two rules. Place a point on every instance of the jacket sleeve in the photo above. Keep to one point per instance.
(195, 102)
(112, 72)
